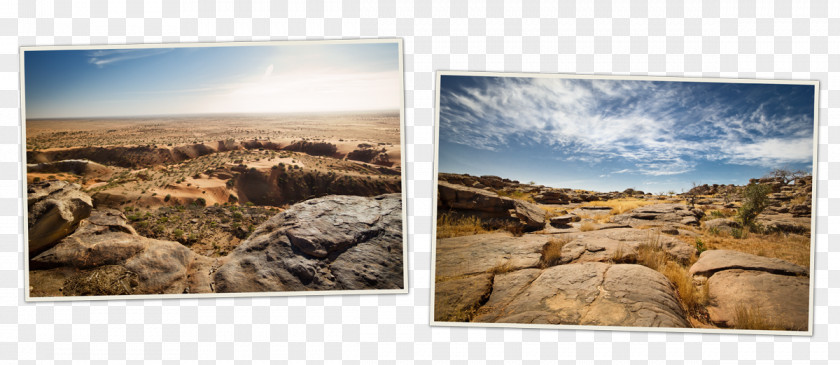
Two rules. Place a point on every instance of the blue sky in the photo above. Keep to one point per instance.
(197, 80)
(609, 135)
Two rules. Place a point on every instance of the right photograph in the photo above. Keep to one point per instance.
(624, 203)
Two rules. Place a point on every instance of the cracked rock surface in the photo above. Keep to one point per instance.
(329, 243)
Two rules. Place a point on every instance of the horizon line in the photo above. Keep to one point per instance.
(365, 111)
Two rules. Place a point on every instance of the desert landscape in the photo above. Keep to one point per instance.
(257, 168)
(662, 204)
(110, 213)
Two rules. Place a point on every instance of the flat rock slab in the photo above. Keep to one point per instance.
(780, 301)
(713, 261)
(468, 255)
(620, 245)
(457, 299)
(584, 294)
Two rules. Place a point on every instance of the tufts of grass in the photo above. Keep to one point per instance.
(551, 251)
(752, 318)
(501, 268)
(451, 225)
(587, 226)
(694, 298)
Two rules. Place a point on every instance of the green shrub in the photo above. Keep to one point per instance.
(701, 247)
(167, 197)
(755, 200)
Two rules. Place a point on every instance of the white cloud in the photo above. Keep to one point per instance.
(102, 58)
(660, 128)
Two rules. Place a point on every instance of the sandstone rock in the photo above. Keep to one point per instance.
(584, 294)
(779, 301)
(159, 267)
(531, 216)
(456, 300)
(713, 261)
(55, 210)
(329, 243)
(469, 255)
(801, 210)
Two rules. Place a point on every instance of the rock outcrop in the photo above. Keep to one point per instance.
(328, 243)
(584, 294)
(55, 210)
(490, 207)
(105, 240)
(745, 287)
(660, 214)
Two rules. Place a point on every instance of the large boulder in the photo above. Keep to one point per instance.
(328, 243)
(55, 210)
(591, 293)
(105, 240)
(754, 292)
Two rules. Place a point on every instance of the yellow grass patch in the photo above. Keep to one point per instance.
(450, 225)
(501, 268)
(789, 247)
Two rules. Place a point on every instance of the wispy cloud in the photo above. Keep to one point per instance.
(102, 58)
(657, 128)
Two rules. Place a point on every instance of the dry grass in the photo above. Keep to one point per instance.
(587, 226)
(501, 268)
(552, 250)
(789, 247)
(693, 298)
(752, 318)
(104, 280)
(650, 252)
(622, 205)
(450, 225)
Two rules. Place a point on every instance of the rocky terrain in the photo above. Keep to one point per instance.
(509, 252)
(329, 243)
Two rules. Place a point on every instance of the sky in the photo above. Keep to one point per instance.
(610, 135)
(204, 80)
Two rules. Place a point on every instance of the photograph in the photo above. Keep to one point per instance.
(214, 169)
(624, 203)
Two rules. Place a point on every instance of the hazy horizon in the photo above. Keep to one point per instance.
(253, 79)
(610, 135)
(185, 115)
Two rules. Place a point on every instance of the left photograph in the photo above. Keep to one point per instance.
(195, 170)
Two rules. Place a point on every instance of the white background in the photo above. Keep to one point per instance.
(744, 39)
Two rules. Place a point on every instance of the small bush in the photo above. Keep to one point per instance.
(178, 232)
(699, 245)
(167, 197)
